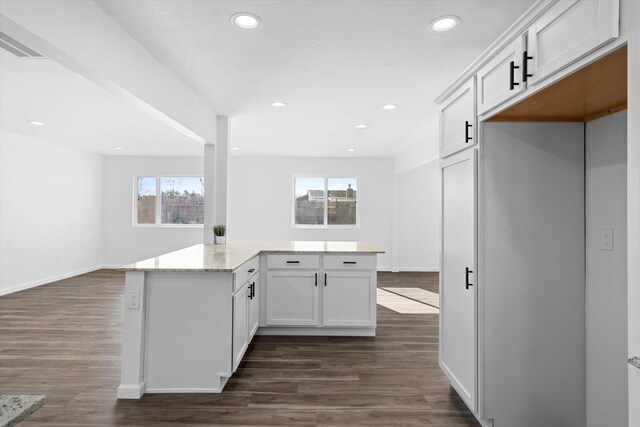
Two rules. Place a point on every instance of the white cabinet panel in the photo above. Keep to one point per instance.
(500, 79)
(254, 306)
(458, 353)
(240, 327)
(349, 298)
(292, 298)
(458, 120)
(567, 31)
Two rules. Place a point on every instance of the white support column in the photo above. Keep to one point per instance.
(222, 160)
(209, 192)
(216, 158)
(132, 369)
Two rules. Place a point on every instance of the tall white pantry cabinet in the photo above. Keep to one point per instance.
(515, 283)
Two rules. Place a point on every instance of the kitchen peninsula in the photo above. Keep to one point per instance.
(190, 315)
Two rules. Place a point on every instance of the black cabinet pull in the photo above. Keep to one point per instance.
(525, 70)
(349, 262)
(512, 75)
(251, 270)
(466, 132)
(325, 279)
(253, 290)
(467, 277)
(316, 279)
(293, 262)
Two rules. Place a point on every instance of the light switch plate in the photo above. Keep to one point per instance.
(606, 240)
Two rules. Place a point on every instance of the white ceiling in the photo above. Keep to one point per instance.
(79, 113)
(334, 62)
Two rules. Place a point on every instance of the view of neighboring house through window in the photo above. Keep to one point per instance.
(181, 200)
(322, 201)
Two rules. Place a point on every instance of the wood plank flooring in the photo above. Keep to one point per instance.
(63, 340)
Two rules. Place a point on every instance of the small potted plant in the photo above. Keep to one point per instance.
(218, 233)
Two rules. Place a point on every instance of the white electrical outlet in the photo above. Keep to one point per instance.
(133, 300)
(606, 241)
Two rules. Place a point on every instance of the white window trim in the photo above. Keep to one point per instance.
(326, 224)
(134, 219)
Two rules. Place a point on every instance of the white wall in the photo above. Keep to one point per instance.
(50, 212)
(418, 211)
(122, 242)
(606, 293)
(261, 197)
(421, 151)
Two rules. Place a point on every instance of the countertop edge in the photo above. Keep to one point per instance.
(249, 257)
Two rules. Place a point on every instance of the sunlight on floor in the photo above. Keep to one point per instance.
(403, 305)
(418, 294)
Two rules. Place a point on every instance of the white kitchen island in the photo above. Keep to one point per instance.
(190, 315)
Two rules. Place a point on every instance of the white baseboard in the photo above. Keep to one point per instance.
(315, 331)
(134, 391)
(49, 279)
(112, 266)
(412, 270)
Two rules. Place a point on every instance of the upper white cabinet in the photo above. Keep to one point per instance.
(458, 352)
(458, 120)
(567, 31)
(500, 79)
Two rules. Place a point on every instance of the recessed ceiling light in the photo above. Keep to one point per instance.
(390, 107)
(351, 150)
(33, 122)
(444, 23)
(246, 21)
(278, 104)
(118, 148)
(236, 148)
(362, 126)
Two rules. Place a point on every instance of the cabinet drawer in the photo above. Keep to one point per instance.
(293, 261)
(350, 262)
(245, 271)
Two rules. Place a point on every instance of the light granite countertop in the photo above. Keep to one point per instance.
(229, 257)
(15, 408)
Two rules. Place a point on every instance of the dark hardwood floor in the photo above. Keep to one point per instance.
(63, 340)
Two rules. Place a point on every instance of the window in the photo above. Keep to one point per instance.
(323, 201)
(181, 200)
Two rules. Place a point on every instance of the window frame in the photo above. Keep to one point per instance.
(326, 224)
(158, 224)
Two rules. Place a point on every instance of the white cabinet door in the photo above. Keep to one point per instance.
(240, 327)
(254, 306)
(349, 298)
(500, 79)
(292, 298)
(458, 329)
(569, 30)
(458, 120)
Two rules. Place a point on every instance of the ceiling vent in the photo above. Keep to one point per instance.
(12, 45)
